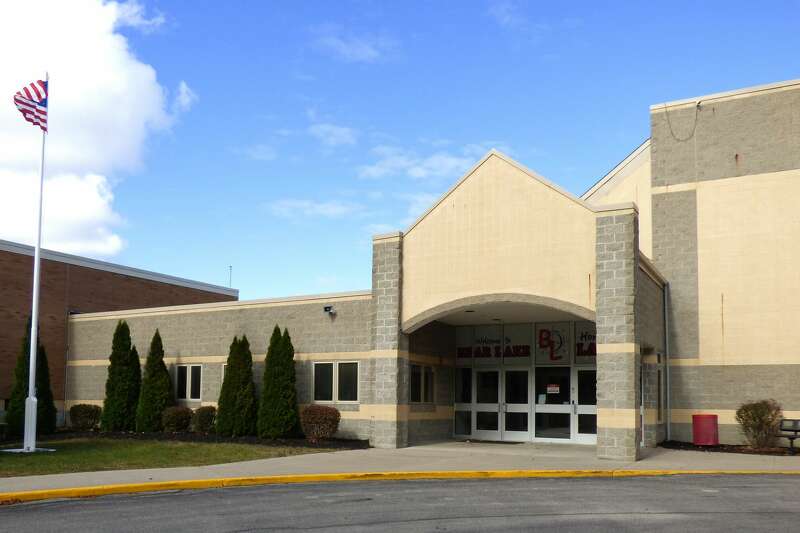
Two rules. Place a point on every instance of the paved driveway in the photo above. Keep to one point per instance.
(708, 503)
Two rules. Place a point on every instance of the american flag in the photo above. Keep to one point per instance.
(31, 101)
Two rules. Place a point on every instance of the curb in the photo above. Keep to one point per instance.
(7, 498)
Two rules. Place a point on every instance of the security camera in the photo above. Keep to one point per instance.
(329, 309)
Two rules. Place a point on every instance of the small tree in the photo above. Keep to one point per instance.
(156, 393)
(236, 415)
(277, 412)
(45, 406)
(123, 383)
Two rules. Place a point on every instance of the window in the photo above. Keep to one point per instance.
(348, 382)
(336, 380)
(224, 368)
(188, 382)
(323, 382)
(421, 384)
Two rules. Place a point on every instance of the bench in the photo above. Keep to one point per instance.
(790, 429)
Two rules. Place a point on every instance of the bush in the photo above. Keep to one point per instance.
(123, 383)
(760, 422)
(176, 419)
(203, 419)
(238, 410)
(156, 393)
(84, 416)
(319, 422)
(45, 407)
(277, 412)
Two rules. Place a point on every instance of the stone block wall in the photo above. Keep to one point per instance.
(618, 357)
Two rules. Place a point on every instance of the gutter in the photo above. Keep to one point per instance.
(667, 386)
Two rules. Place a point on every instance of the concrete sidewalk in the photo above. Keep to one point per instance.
(449, 456)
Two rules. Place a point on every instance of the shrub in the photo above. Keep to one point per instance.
(760, 422)
(176, 419)
(237, 411)
(46, 408)
(123, 383)
(84, 416)
(277, 412)
(203, 419)
(156, 393)
(319, 422)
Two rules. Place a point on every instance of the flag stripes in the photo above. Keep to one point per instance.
(31, 101)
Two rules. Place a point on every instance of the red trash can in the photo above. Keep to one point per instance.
(705, 430)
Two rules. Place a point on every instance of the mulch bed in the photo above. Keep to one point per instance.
(724, 448)
(337, 444)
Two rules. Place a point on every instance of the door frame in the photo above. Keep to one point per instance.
(578, 409)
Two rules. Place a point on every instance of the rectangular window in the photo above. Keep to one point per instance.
(181, 388)
(420, 384)
(195, 389)
(348, 382)
(323, 382)
(336, 380)
(415, 384)
(189, 380)
(427, 384)
(463, 385)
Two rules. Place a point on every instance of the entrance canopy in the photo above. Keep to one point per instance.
(501, 234)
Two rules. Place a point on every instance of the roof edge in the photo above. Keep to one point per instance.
(727, 94)
(96, 264)
(219, 306)
(496, 153)
(639, 150)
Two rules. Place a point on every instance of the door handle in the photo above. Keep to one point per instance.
(574, 408)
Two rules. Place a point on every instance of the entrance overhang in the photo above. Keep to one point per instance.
(498, 304)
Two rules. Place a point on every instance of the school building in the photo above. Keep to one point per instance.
(513, 310)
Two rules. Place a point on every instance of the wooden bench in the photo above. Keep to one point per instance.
(790, 429)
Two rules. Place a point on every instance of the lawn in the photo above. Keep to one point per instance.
(94, 454)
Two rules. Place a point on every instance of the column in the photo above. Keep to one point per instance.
(618, 357)
(389, 344)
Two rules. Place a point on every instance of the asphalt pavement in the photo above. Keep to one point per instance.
(680, 503)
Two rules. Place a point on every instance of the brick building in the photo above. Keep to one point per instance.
(514, 310)
(71, 284)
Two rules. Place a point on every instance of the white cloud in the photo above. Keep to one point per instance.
(133, 14)
(295, 208)
(185, 98)
(351, 48)
(393, 161)
(104, 104)
(260, 152)
(332, 135)
(506, 13)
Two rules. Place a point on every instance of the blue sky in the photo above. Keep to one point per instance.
(314, 125)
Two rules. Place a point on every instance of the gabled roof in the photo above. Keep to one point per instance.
(619, 171)
(506, 159)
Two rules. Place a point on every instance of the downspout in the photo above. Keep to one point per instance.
(666, 363)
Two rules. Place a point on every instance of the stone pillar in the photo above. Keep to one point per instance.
(618, 357)
(389, 344)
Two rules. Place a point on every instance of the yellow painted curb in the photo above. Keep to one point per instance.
(154, 486)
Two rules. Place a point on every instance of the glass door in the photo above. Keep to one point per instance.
(487, 404)
(584, 405)
(516, 408)
(553, 408)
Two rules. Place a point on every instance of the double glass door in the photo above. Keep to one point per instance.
(517, 404)
(502, 404)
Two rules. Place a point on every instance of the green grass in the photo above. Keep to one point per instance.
(92, 455)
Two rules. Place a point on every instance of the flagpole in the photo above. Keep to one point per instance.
(31, 403)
